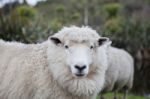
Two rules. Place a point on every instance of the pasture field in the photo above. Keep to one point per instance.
(130, 96)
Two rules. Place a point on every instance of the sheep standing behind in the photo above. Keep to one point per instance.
(66, 66)
(120, 71)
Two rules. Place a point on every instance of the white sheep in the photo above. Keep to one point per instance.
(120, 71)
(66, 66)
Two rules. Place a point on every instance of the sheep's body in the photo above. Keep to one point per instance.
(21, 66)
(38, 71)
(120, 70)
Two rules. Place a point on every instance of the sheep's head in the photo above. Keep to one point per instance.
(79, 53)
(77, 49)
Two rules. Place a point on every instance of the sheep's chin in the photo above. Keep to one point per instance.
(84, 86)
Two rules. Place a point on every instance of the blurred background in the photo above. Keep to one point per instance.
(126, 22)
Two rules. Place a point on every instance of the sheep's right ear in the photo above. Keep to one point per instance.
(55, 40)
(104, 40)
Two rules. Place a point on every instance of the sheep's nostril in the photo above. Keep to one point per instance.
(80, 68)
(84, 67)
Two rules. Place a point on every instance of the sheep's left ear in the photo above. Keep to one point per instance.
(104, 40)
(55, 40)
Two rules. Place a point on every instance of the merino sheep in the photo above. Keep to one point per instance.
(120, 71)
(66, 66)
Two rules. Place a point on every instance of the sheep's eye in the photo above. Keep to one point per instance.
(66, 46)
(91, 47)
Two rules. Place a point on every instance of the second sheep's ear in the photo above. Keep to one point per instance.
(103, 40)
(55, 40)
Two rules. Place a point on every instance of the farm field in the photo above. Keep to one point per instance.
(130, 96)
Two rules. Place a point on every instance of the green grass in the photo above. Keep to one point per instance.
(119, 95)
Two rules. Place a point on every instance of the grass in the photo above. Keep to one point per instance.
(119, 95)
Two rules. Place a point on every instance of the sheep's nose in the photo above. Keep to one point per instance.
(80, 68)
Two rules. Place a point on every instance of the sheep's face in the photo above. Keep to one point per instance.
(79, 58)
(79, 54)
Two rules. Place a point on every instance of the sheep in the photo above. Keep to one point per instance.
(120, 71)
(66, 66)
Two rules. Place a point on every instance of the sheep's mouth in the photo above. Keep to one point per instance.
(80, 75)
